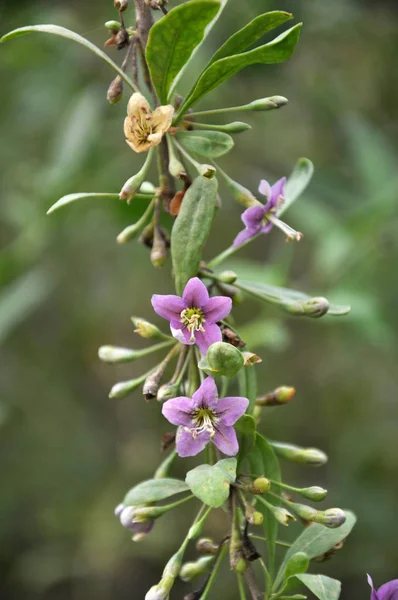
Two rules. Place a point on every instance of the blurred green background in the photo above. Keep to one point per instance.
(68, 453)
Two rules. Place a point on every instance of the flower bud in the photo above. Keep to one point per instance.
(280, 396)
(164, 468)
(147, 330)
(240, 193)
(240, 565)
(283, 516)
(228, 277)
(313, 308)
(207, 171)
(120, 5)
(207, 546)
(131, 186)
(332, 517)
(115, 90)
(261, 485)
(253, 516)
(304, 456)
(114, 354)
(267, 103)
(251, 359)
(190, 570)
(308, 513)
(159, 251)
(167, 391)
(113, 26)
(225, 359)
(123, 388)
(314, 493)
(158, 592)
(176, 168)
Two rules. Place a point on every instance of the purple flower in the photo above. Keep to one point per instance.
(193, 317)
(139, 529)
(388, 591)
(204, 418)
(261, 218)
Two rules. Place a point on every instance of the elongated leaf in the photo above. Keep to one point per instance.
(324, 588)
(246, 429)
(279, 50)
(206, 143)
(173, 39)
(298, 563)
(80, 196)
(262, 461)
(154, 490)
(297, 182)
(191, 229)
(316, 540)
(248, 35)
(69, 35)
(211, 483)
(248, 387)
(286, 298)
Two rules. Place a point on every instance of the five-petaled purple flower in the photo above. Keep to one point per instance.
(193, 317)
(261, 218)
(388, 591)
(204, 418)
(139, 529)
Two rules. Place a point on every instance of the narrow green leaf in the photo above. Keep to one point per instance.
(80, 196)
(324, 588)
(154, 490)
(246, 429)
(276, 51)
(248, 387)
(191, 229)
(248, 35)
(211, 483)
(297, 182)
(316, 540)
(206, 143)
(285, 297)
(173, 39)
(70, 35)
(298, 563)
(262, 461)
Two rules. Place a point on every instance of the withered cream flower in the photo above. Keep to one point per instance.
(143, 128)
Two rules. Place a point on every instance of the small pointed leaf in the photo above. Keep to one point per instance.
(154, 490)
(80, 196)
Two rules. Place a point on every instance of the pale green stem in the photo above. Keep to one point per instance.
(214, 572)
(263, 539)
(229, 252)
(130, 231)
(242, 593)
(218, 111)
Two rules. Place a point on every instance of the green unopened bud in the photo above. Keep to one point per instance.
(176, 168)
(332, 517)
(261, 485)
(190, 570)
(240, 193)
(308, 513)
(240, 565)
(161, 591)
(164, 468)
(114, 354)
(123, 388)
(253, 516)
(280, 396)
(225, 359)
(135, 182)
(115, 90)
(113, 26)
(167, 391)
(304, 456)
(283, 516)
(207, 546)
(228, 277)
(313, 308)
(314, 493)
(121, 5)
(267, 103)
(147, 330)
(235, 127)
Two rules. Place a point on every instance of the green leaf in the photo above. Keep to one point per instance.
(276, 51)
(154, 490)
(248, 35)
(206, 143)
(248, 387)
(297, 564)
(80, 196)
(211, 483)
(324, 588)
(70, 35)
(284, 297)
(191, 229)
(297, 182)
(246, 429)
(316, 540)
(173, 39)
(262, 461)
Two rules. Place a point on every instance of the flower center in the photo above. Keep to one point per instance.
(142, 125)
(193, 319)
(203, 421)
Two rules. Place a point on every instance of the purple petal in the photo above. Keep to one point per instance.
(187, 446)
(231, 409)
(278, 191)
(244, 235)
(169, 307)
(253, 216)
(217, 308)
(211, 335)
(195, 293)
(267, 228)
(264, 188)
(178, 411)
(226, 440)
(374, 595)
(182, 335)
(142, 528)
(206, 394)
(388, 591)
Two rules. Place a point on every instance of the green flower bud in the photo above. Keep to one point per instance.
(281, 395)
(147, 330)
(225, 359)
(314, 493)
(136, 182)
(303, 511)
(190, 570)
(253, 516)
(240, 565)
(207, 546)
(267, 103)
(114, 354)
(240, 193)
(228, 277)
(235, 127)
(113, 26)
(314, 307)
(332, 517)
(123, 388)
(304, 456)
(167, 391)
(262, 485)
